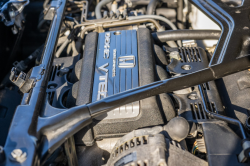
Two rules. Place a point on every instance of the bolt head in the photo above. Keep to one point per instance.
(18, 155)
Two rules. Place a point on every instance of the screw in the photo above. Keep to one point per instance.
(175, 55)
(18, 155)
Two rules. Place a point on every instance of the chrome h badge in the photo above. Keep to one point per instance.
(126, 61)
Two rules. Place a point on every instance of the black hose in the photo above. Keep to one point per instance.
(151, 7)
(172, 35)
(180, 14)
(98, 7)
(220, 117)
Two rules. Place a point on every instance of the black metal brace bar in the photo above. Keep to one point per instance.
(22, 133)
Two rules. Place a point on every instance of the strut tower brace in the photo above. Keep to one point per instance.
(39, 136)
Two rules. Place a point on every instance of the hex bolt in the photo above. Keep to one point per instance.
(18, 155)
(63, 71)
(192, 97)
(174, 55)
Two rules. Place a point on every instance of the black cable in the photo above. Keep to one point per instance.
(185, 34)
(151, 7)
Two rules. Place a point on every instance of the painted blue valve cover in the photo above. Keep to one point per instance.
(116, 70)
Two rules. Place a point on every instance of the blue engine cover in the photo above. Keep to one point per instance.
(116, 70)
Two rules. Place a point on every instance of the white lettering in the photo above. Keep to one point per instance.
(106, 45)
(103, 86)
(114, 63)
(103, 67)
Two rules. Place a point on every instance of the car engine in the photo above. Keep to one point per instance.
(125, 83)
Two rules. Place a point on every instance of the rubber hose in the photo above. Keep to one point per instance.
(171, 44)
(139, 3)
(166, 12)
(45, 4)
(162, 37)
(152, 6)
(160, 56)
(167, 21)
(98, 7)
(61, 48)
(69, 49)
(61, 40)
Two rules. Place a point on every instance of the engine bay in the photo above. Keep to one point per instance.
(125, 82)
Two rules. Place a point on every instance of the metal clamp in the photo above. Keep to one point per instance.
(21, 80)
(18, 80)
(245, 153)
(189, 43)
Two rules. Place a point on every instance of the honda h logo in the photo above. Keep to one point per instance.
(126, 61)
